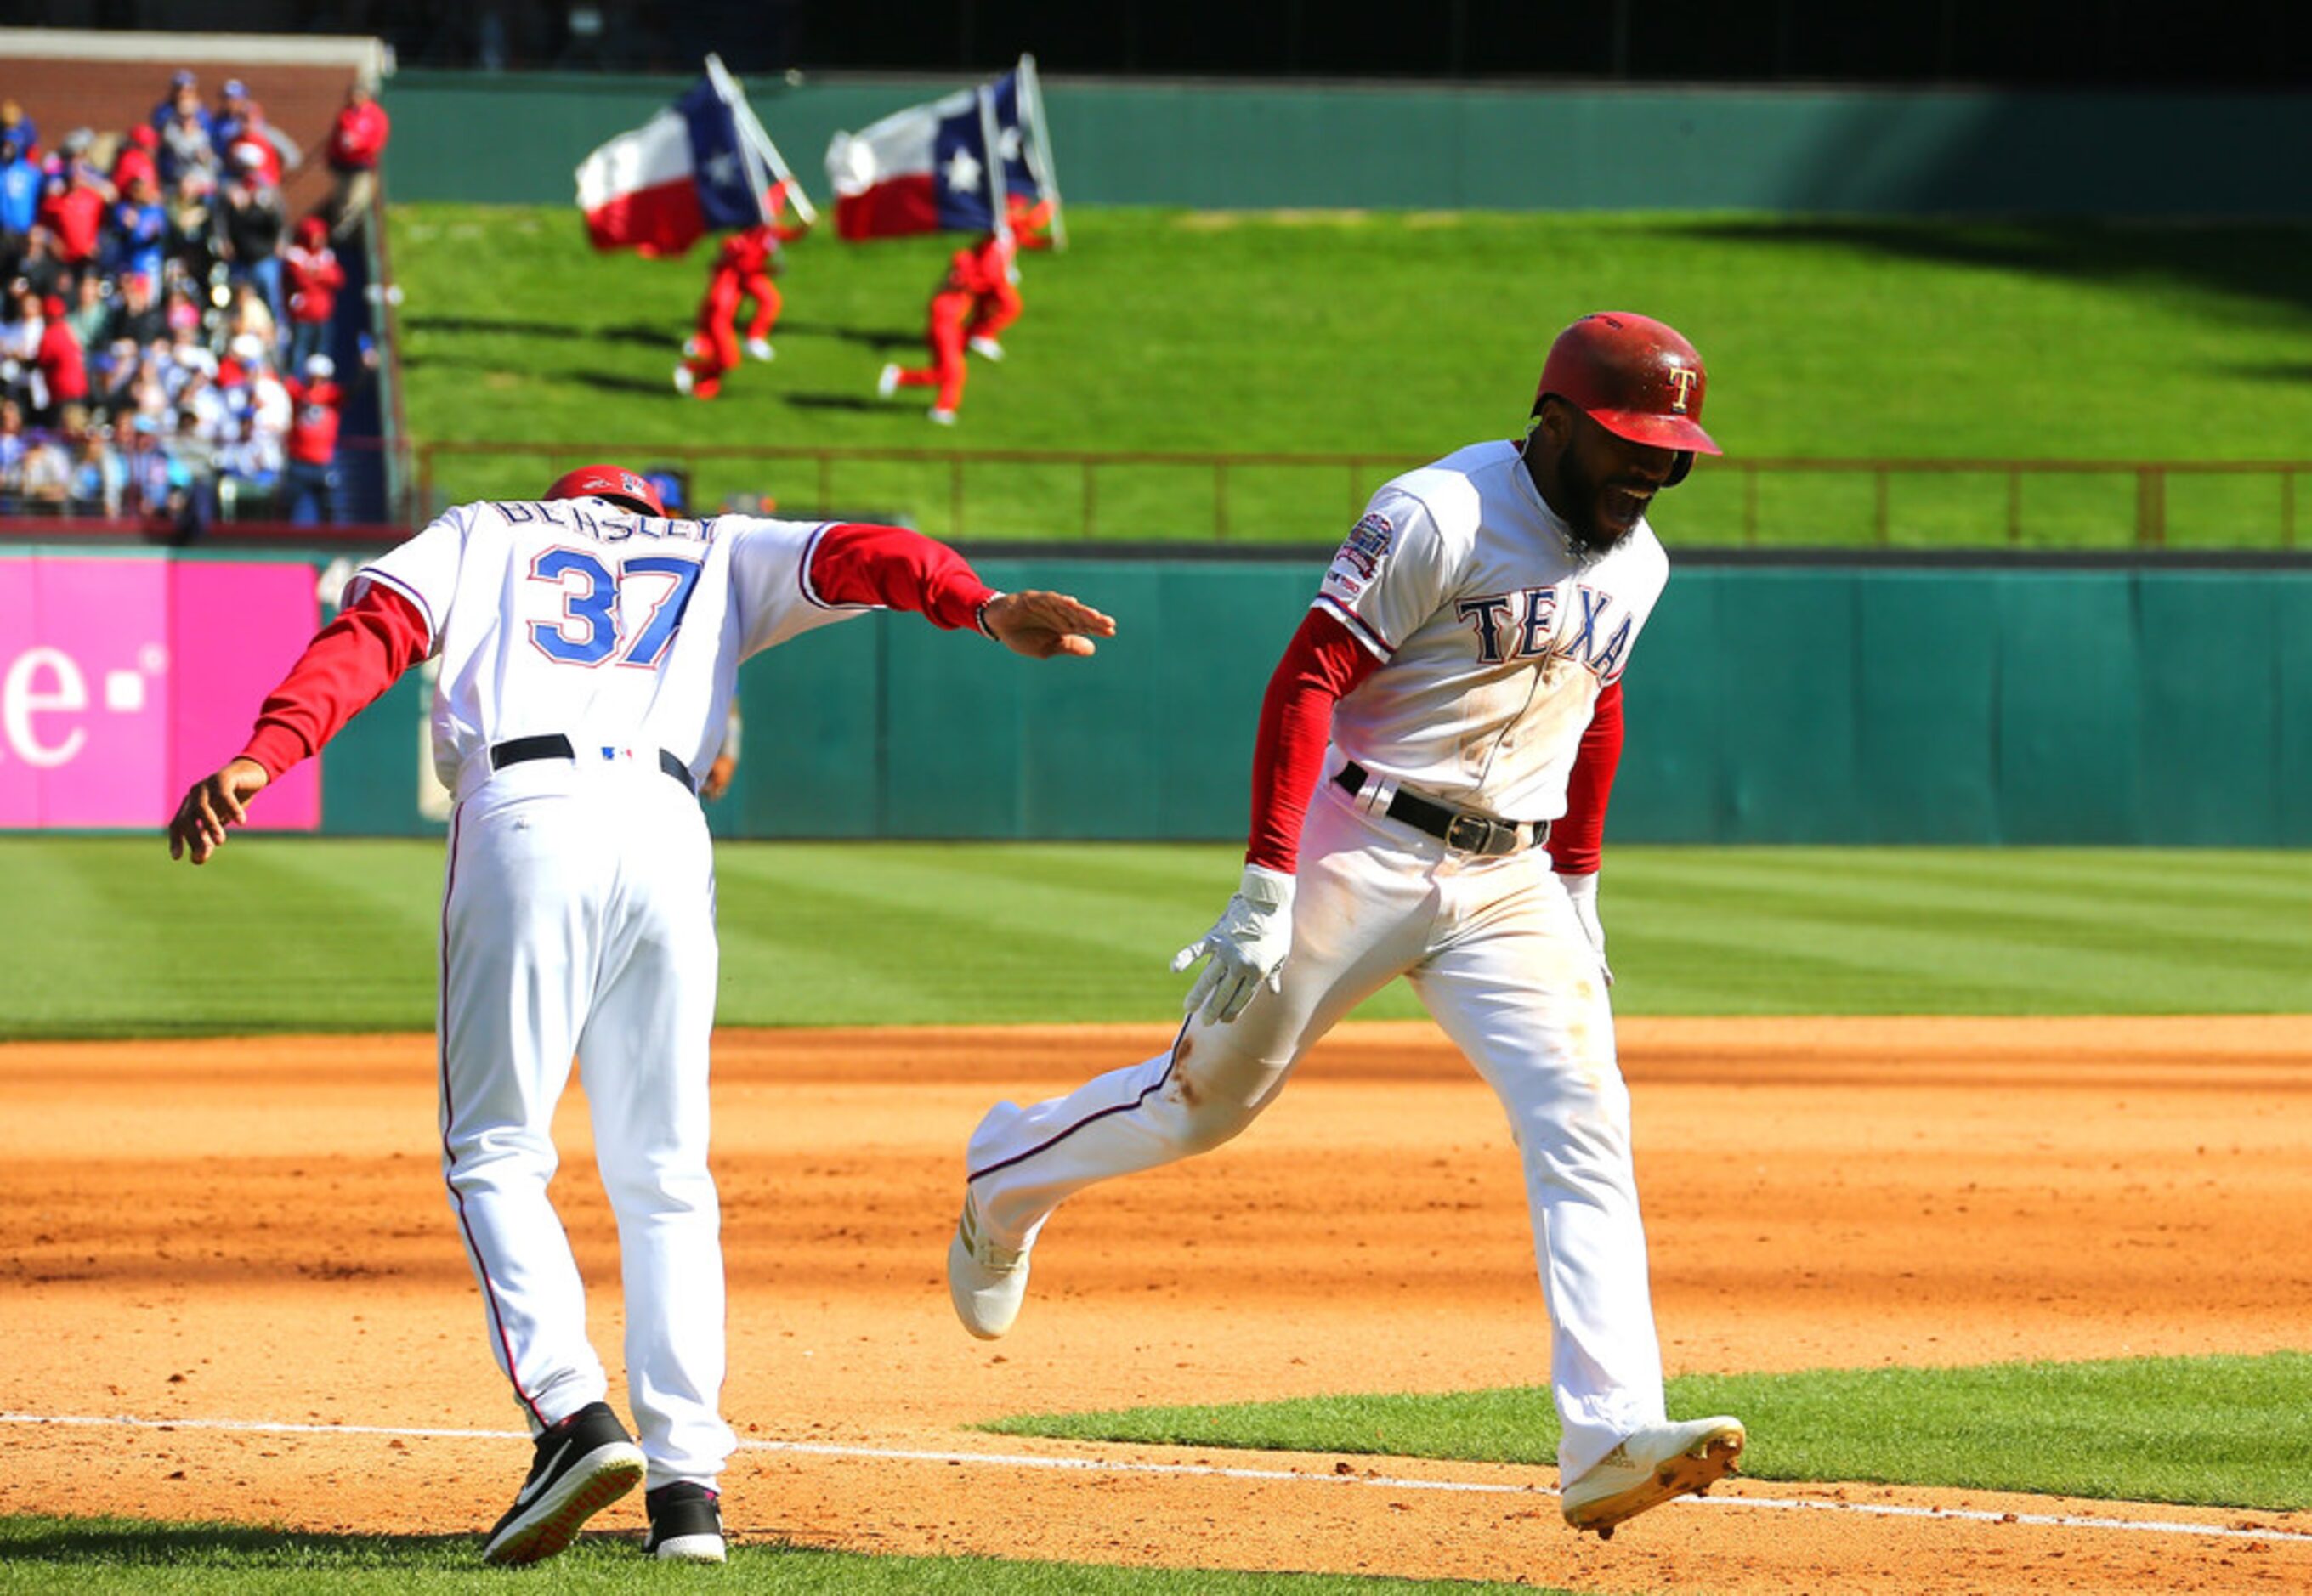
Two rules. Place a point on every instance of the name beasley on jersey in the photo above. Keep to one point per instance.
(603, 528)
(1524, 625)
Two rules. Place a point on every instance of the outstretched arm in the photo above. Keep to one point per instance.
(349, 663)
(892, 568)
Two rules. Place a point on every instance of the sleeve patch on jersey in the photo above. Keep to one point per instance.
(1366, 544)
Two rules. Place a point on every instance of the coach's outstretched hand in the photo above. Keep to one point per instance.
(1042, 624)
(212, 804)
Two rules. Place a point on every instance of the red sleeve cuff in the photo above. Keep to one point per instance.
(275, 747)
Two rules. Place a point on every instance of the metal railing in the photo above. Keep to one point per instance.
(2151, 480)
(1736, 500)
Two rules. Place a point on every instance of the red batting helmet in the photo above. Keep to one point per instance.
(614, 483)
(1637, 378)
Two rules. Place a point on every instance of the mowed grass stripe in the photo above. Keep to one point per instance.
(309, 934)
(947, 934)
(104, 1555)
(2044, 931)
(2217, 1432)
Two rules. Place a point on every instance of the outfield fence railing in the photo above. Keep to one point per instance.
(1184, 496)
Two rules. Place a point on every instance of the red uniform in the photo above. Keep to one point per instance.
(975, 300)
(1030, 220)
(742, 269)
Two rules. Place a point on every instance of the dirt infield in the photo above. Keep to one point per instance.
(254, 1232)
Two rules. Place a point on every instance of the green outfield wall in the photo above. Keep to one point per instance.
(1813, 704)
(517, 139)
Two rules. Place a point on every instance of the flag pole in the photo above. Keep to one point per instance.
(993, 147)
(760, 144)
(1039, 149)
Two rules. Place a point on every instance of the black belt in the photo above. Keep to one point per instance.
(1461, 829)
(554, 746)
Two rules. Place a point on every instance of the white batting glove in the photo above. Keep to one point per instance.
(1583, 891)
(1245, 947)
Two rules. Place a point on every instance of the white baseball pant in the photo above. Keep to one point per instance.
(578, 917)
(1494, 952)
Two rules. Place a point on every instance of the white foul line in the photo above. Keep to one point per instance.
(2059, 1521)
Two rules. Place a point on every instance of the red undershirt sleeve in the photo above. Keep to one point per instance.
(1577, 837)
(1323, 664)
(349, 663)
(892, 568)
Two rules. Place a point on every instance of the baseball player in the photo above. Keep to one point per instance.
(588, 645)
(1465, 655)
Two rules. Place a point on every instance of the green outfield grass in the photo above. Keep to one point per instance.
(301, 934)
(105, 1555)
(1406, 335)
(2209, 1431)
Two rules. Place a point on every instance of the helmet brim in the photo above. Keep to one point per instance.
(1660, 432)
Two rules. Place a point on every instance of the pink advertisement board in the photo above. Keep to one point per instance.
(123, 678)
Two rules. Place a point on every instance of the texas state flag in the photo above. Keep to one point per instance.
(688, 171)
(924, 169)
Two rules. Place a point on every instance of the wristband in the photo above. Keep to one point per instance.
(979, 617)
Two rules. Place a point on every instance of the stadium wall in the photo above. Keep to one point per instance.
(1212, 146)
(1847, 704)
(1825, 704)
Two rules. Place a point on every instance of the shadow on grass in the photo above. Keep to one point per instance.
(652, 333)
(616, 383)
(875, 338)
(830, 401)
(2263, 261)
(129, 1543)
(116, 1542)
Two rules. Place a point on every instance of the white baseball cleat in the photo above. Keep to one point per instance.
(888, 383)
(945, 418)
(985, 1282)
(760, 348)
(989, 347)
(1649, 1468)
(683, 379)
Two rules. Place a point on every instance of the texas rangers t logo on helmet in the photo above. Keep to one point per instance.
(1683, 379)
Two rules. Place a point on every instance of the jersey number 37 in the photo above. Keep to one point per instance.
(595, 600)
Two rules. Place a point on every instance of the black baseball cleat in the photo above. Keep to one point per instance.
(583, 1464)
(685, 1524)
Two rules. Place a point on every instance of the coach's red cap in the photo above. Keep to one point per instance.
(614, 483)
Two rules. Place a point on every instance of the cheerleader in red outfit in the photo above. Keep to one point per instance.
(974, 301)
(742, 271)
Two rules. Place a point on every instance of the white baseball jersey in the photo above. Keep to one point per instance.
(623, 631)
(1494, 638)
(1495, 642)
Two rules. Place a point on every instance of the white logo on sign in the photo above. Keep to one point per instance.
(21, 697)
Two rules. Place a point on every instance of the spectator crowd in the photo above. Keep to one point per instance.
(165, 335)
